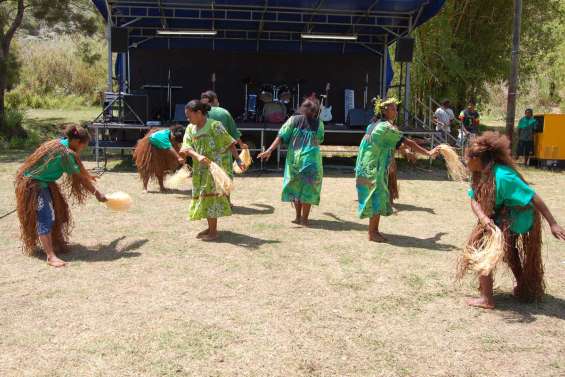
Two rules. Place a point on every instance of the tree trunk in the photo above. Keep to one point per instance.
(3, 85)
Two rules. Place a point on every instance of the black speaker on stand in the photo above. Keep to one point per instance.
(119, 39)
(404, 52)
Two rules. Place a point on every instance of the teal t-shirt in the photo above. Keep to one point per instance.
(513, 192)
(51, 171)
(526, 128)
(161, 139)
(222, 115)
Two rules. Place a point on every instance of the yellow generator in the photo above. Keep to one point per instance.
(549, 140)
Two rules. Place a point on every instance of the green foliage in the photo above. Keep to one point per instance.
(13, 122)
(59, 73)
(469, 44)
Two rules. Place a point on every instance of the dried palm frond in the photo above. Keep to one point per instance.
(245, 157)
(455, 167)
(119, 201)
(177, 180)
(224, 185)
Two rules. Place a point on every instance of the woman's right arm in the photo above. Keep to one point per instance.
(189, 152)
(483, 218)
(267, 154)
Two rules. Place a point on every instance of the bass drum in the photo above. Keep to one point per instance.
(274, 112)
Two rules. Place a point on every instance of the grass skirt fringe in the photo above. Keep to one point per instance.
(27, 192)
(522, 253)
(152, 162)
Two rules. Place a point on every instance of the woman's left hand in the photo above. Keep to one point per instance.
(434, 152)
(558, 232)
(100, 196)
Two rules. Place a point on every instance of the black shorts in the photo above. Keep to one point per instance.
(525, 148)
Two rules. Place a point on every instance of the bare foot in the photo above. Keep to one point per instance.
(296, 221)
(145, 191)
(56, 262)
(163, 189)
(480, 303)
(203, 233)
(305, 222)
(210, 237)
(377, 237)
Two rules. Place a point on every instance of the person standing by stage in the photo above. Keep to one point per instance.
(42, 208)
(526, 128)
(443, 117)
(303, 171)
(373, 163)
(156, 154)
(206, 141)
(470, 119)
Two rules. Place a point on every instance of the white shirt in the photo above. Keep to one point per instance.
(443, 119)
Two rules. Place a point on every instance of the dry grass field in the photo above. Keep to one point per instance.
(142, 297)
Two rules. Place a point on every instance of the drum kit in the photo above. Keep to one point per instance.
(270, 102)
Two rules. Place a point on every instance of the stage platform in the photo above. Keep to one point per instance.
(259, 136)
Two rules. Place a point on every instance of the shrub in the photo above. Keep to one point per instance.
(13, 121)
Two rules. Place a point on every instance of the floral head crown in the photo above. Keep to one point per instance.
(381, 104)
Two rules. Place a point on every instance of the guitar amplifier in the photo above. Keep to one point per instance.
(358, 118)
(136, 105)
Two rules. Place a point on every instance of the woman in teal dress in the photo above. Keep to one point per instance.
(500, 195)
(156, 154)
(206, 140)
(303, 171)
(372, 167)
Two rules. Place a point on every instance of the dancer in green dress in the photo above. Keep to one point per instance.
(372, 167)
(206, 140)
(303, 171)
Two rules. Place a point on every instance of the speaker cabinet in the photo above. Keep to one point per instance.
(404, 50)
(119, 39)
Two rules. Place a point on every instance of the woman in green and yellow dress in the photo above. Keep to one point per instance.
(372, 167)
(303, 171)
(206, 140)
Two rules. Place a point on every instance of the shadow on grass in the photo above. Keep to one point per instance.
(102, 252)
(412, 208)
(338, 224)
(514, 311)
(263, 209)
(243, 240)
(184, 194)
(420, 243)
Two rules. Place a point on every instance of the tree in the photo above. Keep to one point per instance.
(469, 44)
(67, 15)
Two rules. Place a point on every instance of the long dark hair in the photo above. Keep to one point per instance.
(197, 105)
(76, 132)
(177, 131)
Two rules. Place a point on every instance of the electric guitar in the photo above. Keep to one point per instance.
(325, 110)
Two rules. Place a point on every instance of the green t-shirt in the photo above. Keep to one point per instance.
(513, 192)
(161, 139)
(54, 169)
(526, 128)
(222, 115)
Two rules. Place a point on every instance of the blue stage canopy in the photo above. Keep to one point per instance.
(269, 25)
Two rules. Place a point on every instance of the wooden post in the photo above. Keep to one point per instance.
(513, 82)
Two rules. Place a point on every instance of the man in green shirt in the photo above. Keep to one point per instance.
(526, 128)
(222, 115)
